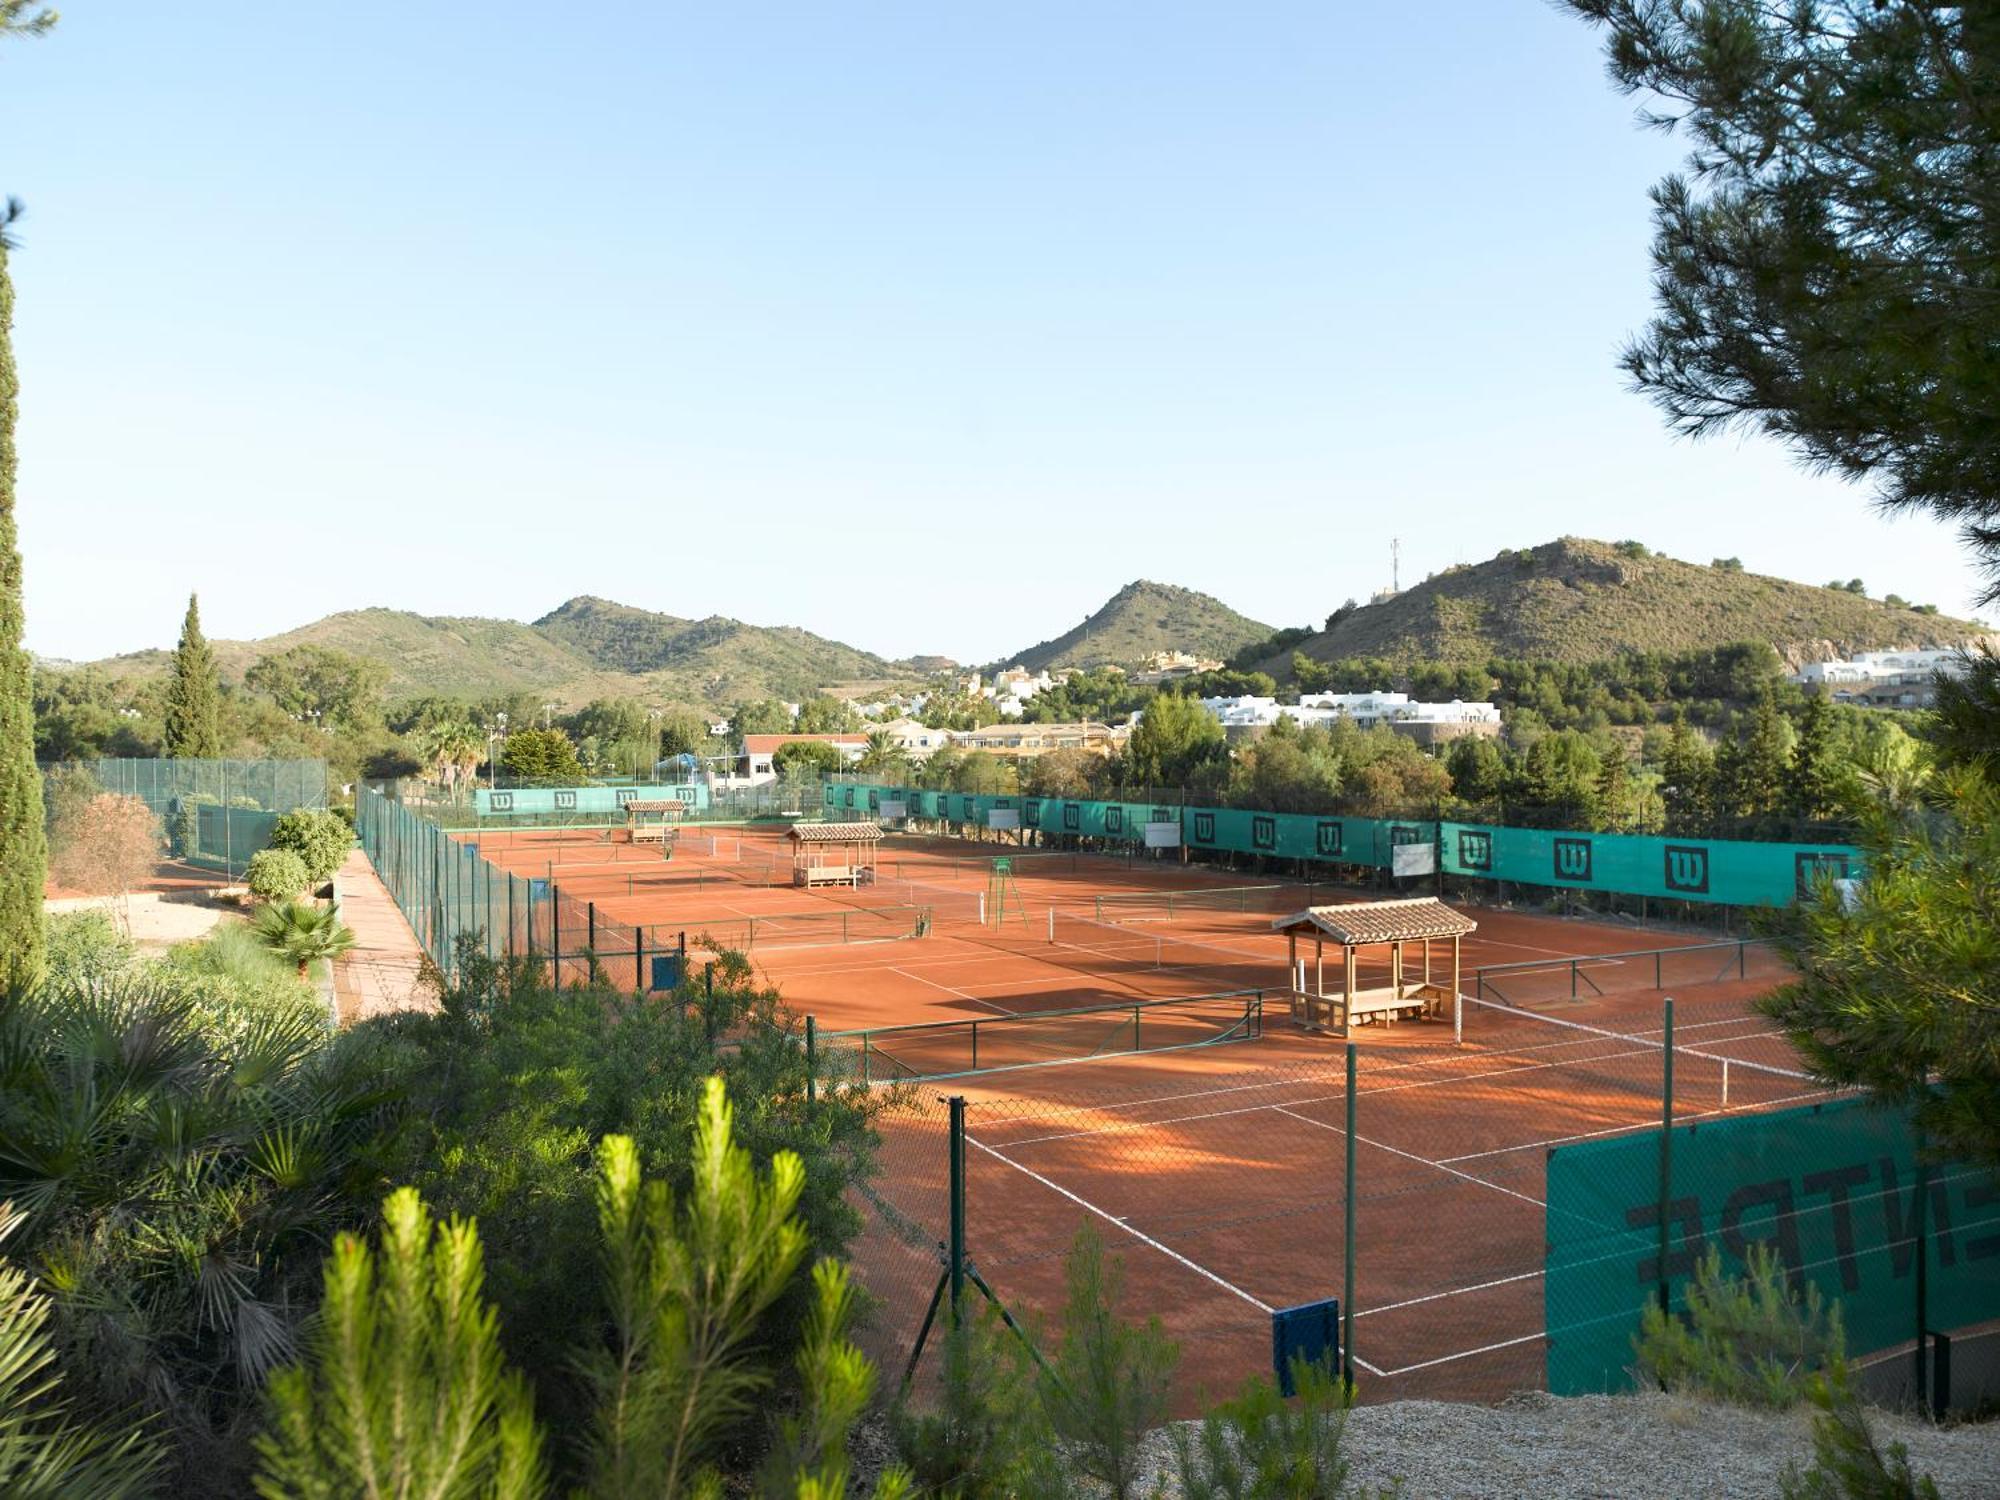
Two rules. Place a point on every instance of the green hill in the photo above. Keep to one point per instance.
(587, 648)
(1141, 619)
(1576, 600)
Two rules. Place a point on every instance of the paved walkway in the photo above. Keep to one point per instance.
(381, 972)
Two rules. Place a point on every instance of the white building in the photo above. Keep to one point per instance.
(1427, 723)
(918, 741)
(1883, 679)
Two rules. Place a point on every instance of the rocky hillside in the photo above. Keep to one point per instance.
(1143, 618)
(1578, 600)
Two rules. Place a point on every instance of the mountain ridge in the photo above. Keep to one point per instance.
(1579, 600)
(1143, 618)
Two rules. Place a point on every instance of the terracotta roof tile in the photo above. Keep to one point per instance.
(1381, 921)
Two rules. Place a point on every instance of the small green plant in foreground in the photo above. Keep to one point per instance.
(1754, 1339)
(1262, 1447)
(1846, 1464)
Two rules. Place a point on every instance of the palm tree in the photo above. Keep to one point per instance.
(884, 752)
(451, 751)
(302, 932)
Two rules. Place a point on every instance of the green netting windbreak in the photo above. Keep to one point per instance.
(215, 813)
(1841, 1193)
(1727, 872)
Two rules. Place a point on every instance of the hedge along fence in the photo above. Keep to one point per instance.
(1723, 872)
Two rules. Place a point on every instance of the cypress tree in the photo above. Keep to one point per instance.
(24, 851)
(193, 724)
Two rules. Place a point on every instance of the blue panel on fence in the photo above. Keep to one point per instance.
(666, 972)
(538, 890)
(1310, 1331)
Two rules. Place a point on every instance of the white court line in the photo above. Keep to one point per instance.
(1457, 1291)
(961, 994)
(1680, 1116)
(1445, 1359)
(1411, 1156)
(1144, 1239)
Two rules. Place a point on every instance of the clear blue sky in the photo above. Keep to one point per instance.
(922, 326)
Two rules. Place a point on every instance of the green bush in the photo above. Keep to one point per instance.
(517, 1083)
(1752, 1339)
(1108, 1382)
(83, 948)
(985, 1437)
(234, 986)
(275, 875)
(1263, 1447)
(407, 1375)
(319, 838)
(1846, 1464)
(184, 831)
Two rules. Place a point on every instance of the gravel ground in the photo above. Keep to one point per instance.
(1645, 1447)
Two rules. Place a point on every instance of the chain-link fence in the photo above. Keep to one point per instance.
(215, 813)
(1489, 1217)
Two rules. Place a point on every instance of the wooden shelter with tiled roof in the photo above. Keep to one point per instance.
(1365, 924)
(653, 820)
(834, 853)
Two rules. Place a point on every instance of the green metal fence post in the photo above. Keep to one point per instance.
(957, 1168)
(1347, 1235)
(555, 932)
(639, 957)
(1920, 1217)
(1666, 1151)
(812, 1060)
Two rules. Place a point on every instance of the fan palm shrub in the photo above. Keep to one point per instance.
(180, 1181)
(302, 932)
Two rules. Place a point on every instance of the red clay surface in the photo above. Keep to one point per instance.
(1217, 1172)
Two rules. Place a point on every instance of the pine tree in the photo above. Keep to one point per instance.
(193, 723)
(1812, 780)
(1688, 769)
(24, 850)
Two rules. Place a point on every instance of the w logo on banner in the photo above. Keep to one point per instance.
(1572, 859)
(1031, 813)
(1687, 868)
(1072, 816)
(502, 802)
(1204, 827)
(627, 794)
(828, 797)
(1402, 833)
(1475, 850)
(1330, 838)
(874, 801)
(1114, 820)
(565, 801)
(849, 794)
(1264, 833)
(1162, 815)
(1812, 866)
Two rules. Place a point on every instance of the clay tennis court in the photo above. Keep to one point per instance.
(1216, 1170)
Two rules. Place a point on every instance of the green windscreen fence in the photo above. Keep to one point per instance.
(1837, 1192)
(215, 813)
(1728, 872)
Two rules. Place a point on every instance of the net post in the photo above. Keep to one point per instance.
(957, 1170)
(1347, 1236)
(1666, 1149)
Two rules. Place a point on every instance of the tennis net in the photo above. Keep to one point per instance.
(1168, 906)
(1725, 1061)
(947, 1049)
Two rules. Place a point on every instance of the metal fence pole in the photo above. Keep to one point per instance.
(812, 1060)
(1347, 1235)
(957, 1169)
(1921, 1233)
(1666, 1151)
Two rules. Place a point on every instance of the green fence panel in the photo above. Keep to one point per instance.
(1831, 1189)
(530, 801)
(1730, 872)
